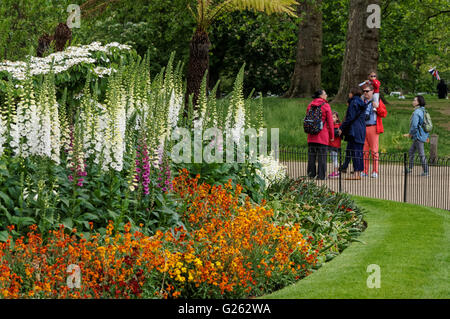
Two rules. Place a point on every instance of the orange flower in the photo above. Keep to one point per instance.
(228, 248)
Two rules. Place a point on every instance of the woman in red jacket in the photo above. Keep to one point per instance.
(318, 143)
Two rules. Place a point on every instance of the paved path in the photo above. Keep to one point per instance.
(431, 191)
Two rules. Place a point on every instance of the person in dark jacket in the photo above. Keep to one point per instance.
(442, 89)
(354, 131)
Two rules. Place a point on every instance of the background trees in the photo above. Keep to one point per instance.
(266, 43)
(414, 37)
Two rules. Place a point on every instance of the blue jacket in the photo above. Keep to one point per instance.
(415, 129)
(354, 126)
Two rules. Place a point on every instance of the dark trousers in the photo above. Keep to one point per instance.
(418, 146)
(317, 152)
(348, 158)
(354, 153)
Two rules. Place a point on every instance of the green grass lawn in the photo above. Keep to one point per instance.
(288, 114)
(410, 243)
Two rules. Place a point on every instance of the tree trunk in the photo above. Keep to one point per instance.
(197, 65)
(361, 52)
(60, 38)
(62, 35)
(306, 78)
(43, 44)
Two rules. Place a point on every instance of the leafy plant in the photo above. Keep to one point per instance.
(329, 218)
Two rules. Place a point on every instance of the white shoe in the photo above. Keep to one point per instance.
(374, 175)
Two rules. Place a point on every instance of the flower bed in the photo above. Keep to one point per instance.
(228, 248)
(100, 163)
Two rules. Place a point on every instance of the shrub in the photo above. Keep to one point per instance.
(328, 218)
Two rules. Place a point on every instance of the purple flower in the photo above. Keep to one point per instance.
(143, 167)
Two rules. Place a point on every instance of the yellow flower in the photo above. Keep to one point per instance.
(101, 250)
(198, 262)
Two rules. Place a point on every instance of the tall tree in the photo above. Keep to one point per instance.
(361, 52)
(206, 12)
(307, 71)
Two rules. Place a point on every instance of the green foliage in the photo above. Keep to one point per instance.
(414, 37)
(35, 191)
(24, 21)
(266, 43)
(329, 218)
(150, 27)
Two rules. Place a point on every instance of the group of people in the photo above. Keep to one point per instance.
(361, 128)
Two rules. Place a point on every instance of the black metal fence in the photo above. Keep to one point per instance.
(394, 181)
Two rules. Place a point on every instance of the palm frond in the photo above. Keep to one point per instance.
(267, 6)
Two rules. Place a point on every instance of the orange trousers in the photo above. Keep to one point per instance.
(371, 145)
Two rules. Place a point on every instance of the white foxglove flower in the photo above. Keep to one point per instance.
(2, 135)
(272, 170)
(175, 104)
